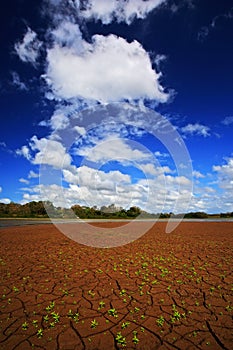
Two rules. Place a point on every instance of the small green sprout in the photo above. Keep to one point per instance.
(55, 316)
(94, 323)
(91, 293)
(160, 321)
(46, 318)
(35, 323)
(135, 339)
(40, 333)
(50, 306)
(24, 326)
(101, 305)
(120, 339)
(113, 312)
(122, 292)
(125, 324)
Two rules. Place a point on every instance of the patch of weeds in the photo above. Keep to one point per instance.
(15, 289)
(125, 324)
(91, 293)
(55, 316)
(25, 326)
(35, 323)
(120, 339)
(94, 323)
(160, 321)
(113, 312)
(74, 316)
(50, 306)
(101, 305)
(135, 339)
(122, 292)
(46, 318)
(39, 333)
(229, 308)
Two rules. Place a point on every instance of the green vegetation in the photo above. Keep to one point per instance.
(38, 210)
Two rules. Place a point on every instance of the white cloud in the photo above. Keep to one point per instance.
(17, 82)
(28, 48)
(32, 175)
(225, 176)
(0, 189)
(198, 175)
(196, 129)
(119, 10)
(95, 179)
(227, 120)
(5, 200)
(59, 121)
(25, 181)
(25, 152)
(50, 152)
(114, 149)
(151, 169)
(80, 130)
(108, 69)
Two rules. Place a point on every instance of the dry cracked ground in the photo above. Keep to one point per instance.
(162, 291)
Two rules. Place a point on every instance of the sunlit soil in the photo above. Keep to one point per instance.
(163, 291)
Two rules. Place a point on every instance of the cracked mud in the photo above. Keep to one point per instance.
(163, 291)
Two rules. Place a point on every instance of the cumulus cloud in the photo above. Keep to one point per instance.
(225, 175)
(118, 10)
(198, 174)
(28, 49)
(114, 149)
(50, 152)
(95, 179)
(32, 175)
(22, 180)
(87, 186)
(5, 200)
(107, 69)
(196, 129)
(17, 82)
(228, 120)
(25, 152)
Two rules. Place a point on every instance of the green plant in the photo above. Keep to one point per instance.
(46, 318)
(125, 324)
(94, 323)
(122, 292)
(160, 321)
(101, 305)
(35, 323)
(39, 333)
(55, 316)
(113, 312)
(92, 294)
(25, 326)
(135, 339)
(120, 339)
(50, 306)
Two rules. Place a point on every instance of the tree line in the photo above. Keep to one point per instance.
(45, 209)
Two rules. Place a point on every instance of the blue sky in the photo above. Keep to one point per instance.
(121, 101)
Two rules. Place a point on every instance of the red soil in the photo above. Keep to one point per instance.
(174, 290)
